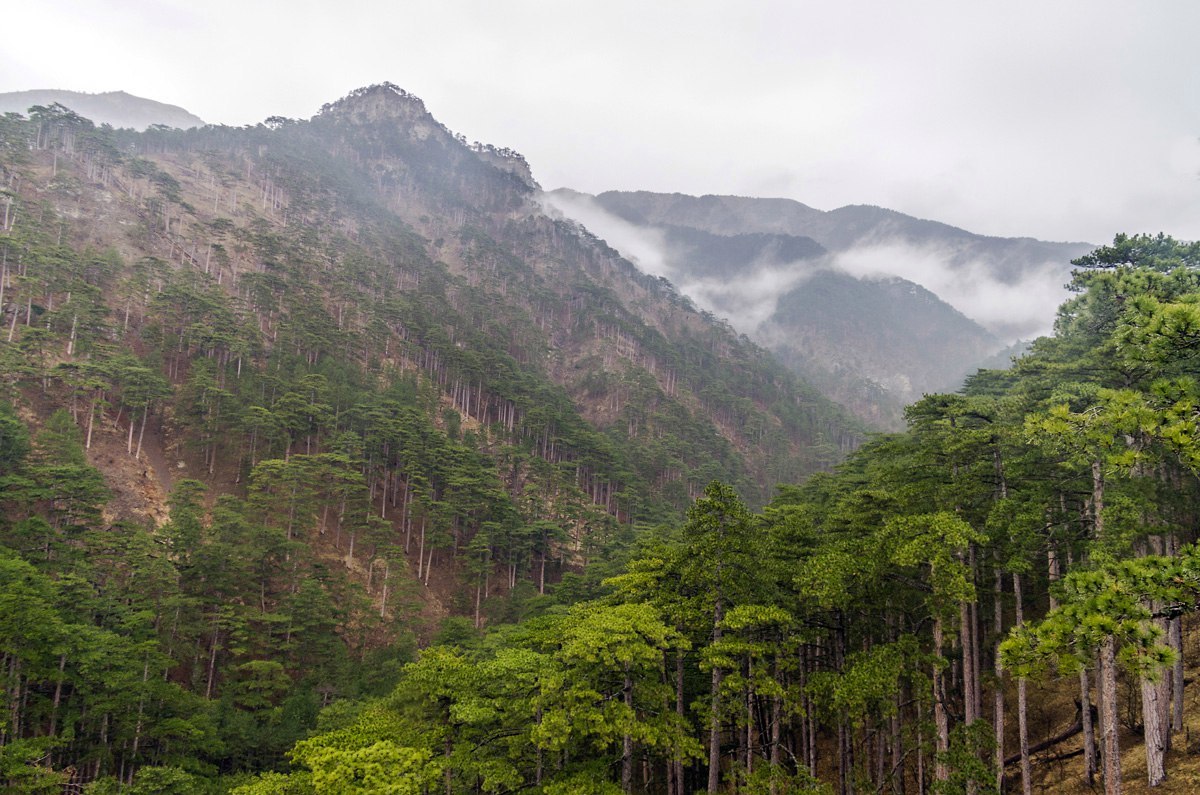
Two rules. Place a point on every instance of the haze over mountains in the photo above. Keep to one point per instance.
(873, 306)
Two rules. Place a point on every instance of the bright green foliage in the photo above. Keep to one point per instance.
(775, 781)
(867, 684)
(299, 783)
(936, 541)
(1112, 600)
(603, 650)
(582, 784)
(382, 768)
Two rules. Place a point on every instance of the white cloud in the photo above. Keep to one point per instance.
(745, 302)
(641, 246)
(1021, 310)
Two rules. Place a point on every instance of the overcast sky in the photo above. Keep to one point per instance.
(1065, 120)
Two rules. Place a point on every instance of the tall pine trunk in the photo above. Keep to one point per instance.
(714, 727)
(1108, 717)
(1022, 702)
(627, 739)
(941, 719)
(998, 695)
(679, 712)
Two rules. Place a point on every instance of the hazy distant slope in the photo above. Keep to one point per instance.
(838, 230)
(839, 332)
(888, 329)
(843, 313)
(111, 107)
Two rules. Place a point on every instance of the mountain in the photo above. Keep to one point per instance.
(115, 108)
(372, 250)
(874, 344)
(872, 306)
(281, 402)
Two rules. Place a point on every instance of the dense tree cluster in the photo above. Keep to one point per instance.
(354, 421)
(874, 629)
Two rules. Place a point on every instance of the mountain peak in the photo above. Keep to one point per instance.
(379, 102)
(389, 104)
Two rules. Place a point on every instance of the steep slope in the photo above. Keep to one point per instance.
(373, 252)
(115, 108)
(280, 403)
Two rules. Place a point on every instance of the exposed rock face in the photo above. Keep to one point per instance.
(388, 102)
(507, 160)
(405, 112)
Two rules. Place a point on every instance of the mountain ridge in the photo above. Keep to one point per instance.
(115, 108)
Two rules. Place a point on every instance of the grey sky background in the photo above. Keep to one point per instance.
(1070, 120)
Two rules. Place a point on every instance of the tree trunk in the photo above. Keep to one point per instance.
(998, 695)
(1154, 732)
(970, 708)
(1175, 635)
(920, 749)
(941, 720)
(1089, 731)
(1022, 702)
(91, 421)
(478, 600)
(58, 685)
(1175, 641)
(137, 732)
(679, 711)
(421, 549)
(749, 755)
(714, 726)
(212, 662)
(627, 739)
(14, 696)
(1108, 717)
(976, 693)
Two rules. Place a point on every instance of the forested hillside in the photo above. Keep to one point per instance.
(282, 403)
(329, 464)
(878, 629)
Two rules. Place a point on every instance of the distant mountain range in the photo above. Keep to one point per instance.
(115, 108)
(873, 306)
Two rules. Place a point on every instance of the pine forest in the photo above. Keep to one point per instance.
(331, 462)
